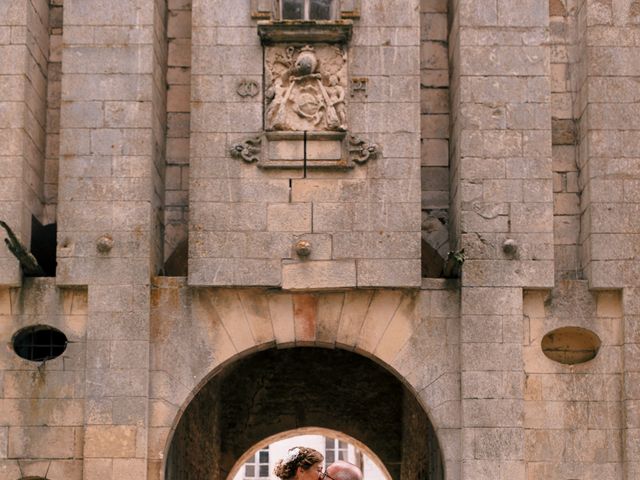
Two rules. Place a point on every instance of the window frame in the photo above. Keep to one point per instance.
(333, 15)
(338, 448)
(255, 463)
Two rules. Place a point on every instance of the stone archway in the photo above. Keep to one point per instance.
(273, 390)
(198, 333)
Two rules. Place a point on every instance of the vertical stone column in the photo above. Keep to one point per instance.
(492, 381)
(24, 47)
(631, 392)
(501, 191)
(111, 168)
(434, 126)
(610, 129)
(384, 236)
(177, 144)
(566, 189)
(609, 161)
(228, 239)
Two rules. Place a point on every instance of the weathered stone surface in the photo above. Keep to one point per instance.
(493, 123)
(319, 274)
(38, 442)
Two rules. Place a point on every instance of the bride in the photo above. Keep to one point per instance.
(301, 463)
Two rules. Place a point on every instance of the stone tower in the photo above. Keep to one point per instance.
(243, 211)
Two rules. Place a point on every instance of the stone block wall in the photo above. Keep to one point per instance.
(631, 382)
(111, 193)
(420, 452)
(573, 415)
(609, 146)
(502, 180)
(54, 85)
(360, 322)
(606, 69)
(42, 404)
(564, 105)
(24, 51)
(516, 124)
(434, 126)
(363, 223)
(177, 141)
(501, 192)
(109, 120)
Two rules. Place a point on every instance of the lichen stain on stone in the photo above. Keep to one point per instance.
(139, 232)
(557, 8)
(39, 377)
(634, 9)
(305, 308)
(166, 303)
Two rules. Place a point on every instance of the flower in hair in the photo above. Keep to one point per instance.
(292, 455)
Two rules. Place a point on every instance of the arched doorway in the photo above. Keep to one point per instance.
(274, 391)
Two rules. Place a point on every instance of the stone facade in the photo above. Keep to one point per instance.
(239, 199)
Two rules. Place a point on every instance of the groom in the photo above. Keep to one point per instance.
(341, 470)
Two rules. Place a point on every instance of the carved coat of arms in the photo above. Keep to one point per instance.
(306, 88)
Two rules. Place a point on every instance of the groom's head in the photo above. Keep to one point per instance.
(341, 470)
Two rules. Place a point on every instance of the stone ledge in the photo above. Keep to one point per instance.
(440, 284)
(331, 31)
(168, 282)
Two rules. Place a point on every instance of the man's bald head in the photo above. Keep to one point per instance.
(341, 470)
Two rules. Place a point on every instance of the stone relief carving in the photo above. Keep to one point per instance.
(249, 150)
(247, 88)
(360, 151)
(306, 88)
(359, 85)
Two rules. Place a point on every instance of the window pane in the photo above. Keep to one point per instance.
(264, 470)
(264, 456)
(330, 454)
(320, 10)
(249, 471)
(328, 442)
(292, 9)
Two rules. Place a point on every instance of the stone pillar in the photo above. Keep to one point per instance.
(24, 48)
(492, 381)
(227, 220)
(111, 168)
(501, 192)
(610, 129)
(610, 177)
(631, 392)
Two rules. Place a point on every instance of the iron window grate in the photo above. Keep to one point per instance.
(39, 343)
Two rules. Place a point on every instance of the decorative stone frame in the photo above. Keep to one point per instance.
(315, 138)
(305, 150)
(270, 9)
(305, 31)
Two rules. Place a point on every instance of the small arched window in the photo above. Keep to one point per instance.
(308, 9)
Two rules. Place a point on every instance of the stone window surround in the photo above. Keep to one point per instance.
(274, 149)
(270, 10)
(306, 15)
(255, 464)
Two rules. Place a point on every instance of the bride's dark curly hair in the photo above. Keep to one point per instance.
(297, 457)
